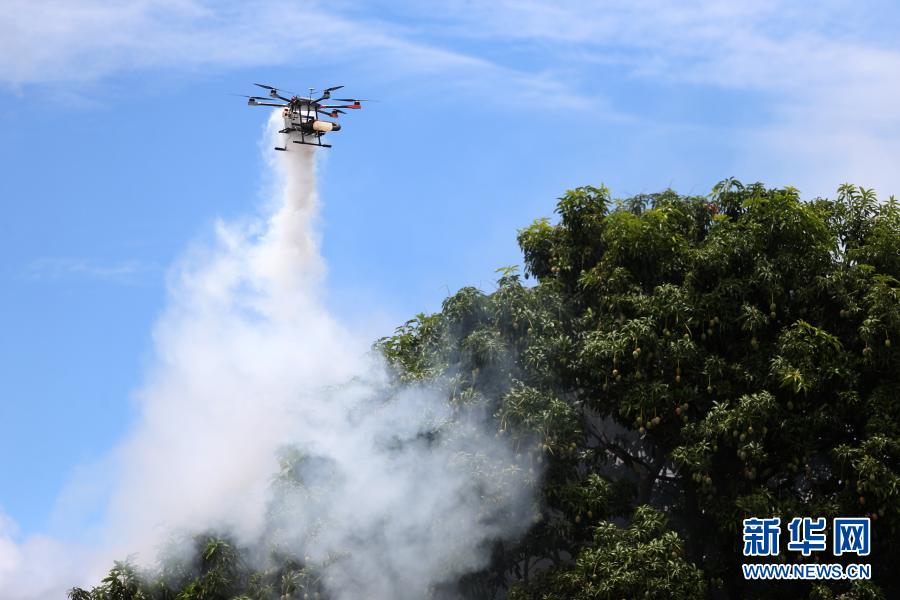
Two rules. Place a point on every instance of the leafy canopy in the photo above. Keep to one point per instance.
(681, 363)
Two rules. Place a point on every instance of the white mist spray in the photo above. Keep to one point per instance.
(243, 338)
(249, 362)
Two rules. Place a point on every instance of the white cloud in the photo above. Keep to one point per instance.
(34, 567)
(128, 272)
(9, 551)
(823, 73)
(55, 41)
(823, 78)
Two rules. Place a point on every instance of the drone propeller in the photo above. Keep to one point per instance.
(353, 100)
(326, 93)
(273, 91)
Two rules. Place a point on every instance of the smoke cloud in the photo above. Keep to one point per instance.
(389, 490)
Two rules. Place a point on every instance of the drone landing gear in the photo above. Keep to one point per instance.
(321, 145)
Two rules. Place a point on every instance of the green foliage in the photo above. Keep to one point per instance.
(121, 583)
(643, 561)
(717, 357)
(681, 363)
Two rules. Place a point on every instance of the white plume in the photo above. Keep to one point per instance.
(249, 362)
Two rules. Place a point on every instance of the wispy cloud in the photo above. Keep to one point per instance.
(823, 77)
(826, 75)
(27, 556)
(128, 272)
(54, 41)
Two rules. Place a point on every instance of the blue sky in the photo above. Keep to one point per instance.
(121, 145)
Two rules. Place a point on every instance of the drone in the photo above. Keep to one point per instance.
(301, 114)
